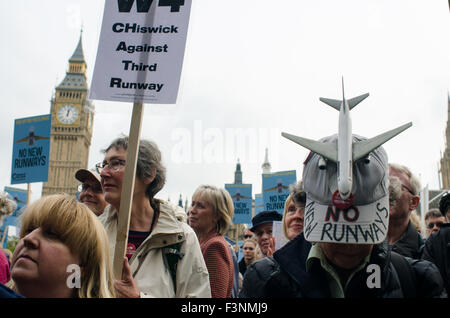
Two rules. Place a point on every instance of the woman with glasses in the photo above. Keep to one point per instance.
(163, 254)
(91, 192)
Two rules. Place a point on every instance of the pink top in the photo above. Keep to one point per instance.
(5, 275)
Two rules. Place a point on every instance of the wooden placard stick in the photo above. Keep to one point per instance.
(126, 198)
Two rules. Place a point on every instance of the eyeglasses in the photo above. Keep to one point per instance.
(431, 225)
(113, 165)
(408, 189)
(247, 236)
(85, 186)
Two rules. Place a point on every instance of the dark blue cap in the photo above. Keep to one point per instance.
(265, 217)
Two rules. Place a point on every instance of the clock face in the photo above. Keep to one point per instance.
(67, 114)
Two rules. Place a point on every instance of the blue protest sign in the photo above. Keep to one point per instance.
(259, 203)
(8, 222)
(20, 196)
(31, 148)
(276, 189)
(242, 200)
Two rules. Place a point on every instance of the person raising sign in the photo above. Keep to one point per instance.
(163, 254)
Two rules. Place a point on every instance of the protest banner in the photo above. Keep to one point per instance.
(276, 189)
(277, 232)
(259, 203)
(20, 196)
(141, 50)
(31, 148)
(242, 201)
(8, 229)
(139, 59)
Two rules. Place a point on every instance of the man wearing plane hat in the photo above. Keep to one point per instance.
(342, 251)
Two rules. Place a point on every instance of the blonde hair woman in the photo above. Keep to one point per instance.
(250, 255)
(294, 211)
(210, 216)
(63, 252)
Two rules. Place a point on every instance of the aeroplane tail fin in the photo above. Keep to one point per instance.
(336, 104)
(327, 150)
(356, 100)
(362, 148)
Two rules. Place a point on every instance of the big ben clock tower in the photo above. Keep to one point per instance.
(71, 132)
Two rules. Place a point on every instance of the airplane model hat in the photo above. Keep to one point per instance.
(361, 219)
(346, 182)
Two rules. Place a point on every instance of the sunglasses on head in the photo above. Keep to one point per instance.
(247, 236)
(431, 225)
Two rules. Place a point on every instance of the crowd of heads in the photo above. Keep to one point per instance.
(59, 231)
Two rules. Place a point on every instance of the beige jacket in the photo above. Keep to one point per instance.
(150, 273)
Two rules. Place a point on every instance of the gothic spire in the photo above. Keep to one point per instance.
(78, 55)
(238, 173)
(180, 202)
(266, 167)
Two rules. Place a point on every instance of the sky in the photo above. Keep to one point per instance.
(252, 69)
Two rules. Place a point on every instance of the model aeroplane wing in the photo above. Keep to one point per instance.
(332, 102)
(327, 150)
(362, 148)
(356, 100)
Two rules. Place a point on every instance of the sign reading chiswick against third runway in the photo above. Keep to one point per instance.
(141, 51)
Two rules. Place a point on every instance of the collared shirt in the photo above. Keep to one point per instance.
(334, 282)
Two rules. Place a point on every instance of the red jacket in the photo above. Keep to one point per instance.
(219, 262)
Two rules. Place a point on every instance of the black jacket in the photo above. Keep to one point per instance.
(242, 266)
(284, 275)
(410, 244)
(437, 250)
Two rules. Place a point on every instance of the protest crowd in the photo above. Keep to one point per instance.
(349, 224)
(171, 253)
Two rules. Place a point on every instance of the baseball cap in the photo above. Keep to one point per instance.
(84, 174)
(364, 220)
(265, 217)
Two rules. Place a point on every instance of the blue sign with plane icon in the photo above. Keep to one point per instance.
(31, 149)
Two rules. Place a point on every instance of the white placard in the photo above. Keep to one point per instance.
(277, 232)
(141, 51)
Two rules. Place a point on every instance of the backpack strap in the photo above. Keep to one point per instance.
(171, 256)
(405, 274)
